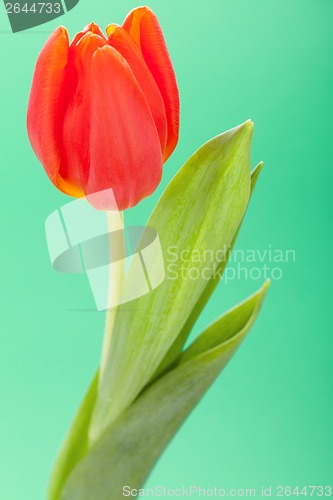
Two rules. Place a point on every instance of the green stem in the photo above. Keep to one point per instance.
(116, 280)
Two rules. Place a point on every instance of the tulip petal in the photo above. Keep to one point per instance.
(92, 28)
(76, 109)
(124, 144)
(43, 117)
(144, 28)
(125, 45)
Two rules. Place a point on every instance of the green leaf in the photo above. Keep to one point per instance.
(76, 443)
(130, 447)
(200, 211)
(178, 344)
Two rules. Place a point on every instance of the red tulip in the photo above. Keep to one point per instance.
(104, 113)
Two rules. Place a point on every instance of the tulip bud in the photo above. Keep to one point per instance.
(104, 112)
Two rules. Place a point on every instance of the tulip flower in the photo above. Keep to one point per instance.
(103, 111)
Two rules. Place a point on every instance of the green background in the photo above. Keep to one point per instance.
(268, 419)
